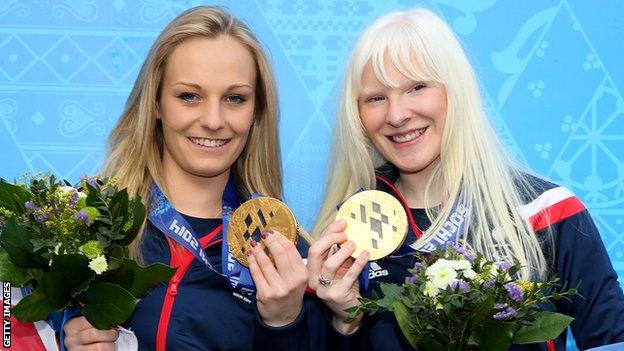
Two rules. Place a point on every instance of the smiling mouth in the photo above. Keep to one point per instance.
(209, 142)
(404, 138)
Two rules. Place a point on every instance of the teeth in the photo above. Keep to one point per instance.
(209, 142)
(408, 137)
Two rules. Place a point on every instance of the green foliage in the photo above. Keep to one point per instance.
(107, 305)
(51, 236)
(456, 301)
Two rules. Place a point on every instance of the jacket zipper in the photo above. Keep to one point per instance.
(183, 260)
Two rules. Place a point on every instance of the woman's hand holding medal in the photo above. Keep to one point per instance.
(370, 225)
(334, 274)
(262, 235)
(280, 287)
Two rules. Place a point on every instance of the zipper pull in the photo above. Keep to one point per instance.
(173, 289)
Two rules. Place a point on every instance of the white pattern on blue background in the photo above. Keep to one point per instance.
(551, 74)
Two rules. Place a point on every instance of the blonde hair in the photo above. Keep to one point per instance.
(473, 162)
(135, 145)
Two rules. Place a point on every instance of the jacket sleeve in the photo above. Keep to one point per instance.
(300, 335)
(582, 260)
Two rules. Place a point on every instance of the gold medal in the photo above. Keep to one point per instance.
(376, 222)
(252, 218)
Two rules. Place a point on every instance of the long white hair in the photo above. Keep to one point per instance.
(473, 162)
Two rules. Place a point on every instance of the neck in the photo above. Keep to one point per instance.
(412, 186)
(195, 195)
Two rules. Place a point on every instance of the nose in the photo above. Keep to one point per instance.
(211, 115)
(398, 112)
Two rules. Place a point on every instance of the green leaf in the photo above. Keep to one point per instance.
(116, 258)
(547, 326)
(107, 305)
(9, 272)
(119, 212)
(39, 243)
(494, 336)
(137, 279)
(15, 239)
(430, 344)
(68, 276)
(138, 217)
(13, 197)
(391, 293)
(402, 315)
(33, 307)
(483, 311)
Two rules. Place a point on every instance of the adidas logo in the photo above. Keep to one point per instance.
(376, 271)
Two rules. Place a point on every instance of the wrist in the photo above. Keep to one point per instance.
(283, 319)
(347, 328)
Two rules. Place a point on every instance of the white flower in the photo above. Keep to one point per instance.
(68, 189)
(460, 264)
(443, 277)
(98, 264)
(493, 270)
(430, 290)
(81, 195)
(437, 266)
(469, 273)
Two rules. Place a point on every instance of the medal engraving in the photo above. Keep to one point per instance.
(376, 222)
(252, 218)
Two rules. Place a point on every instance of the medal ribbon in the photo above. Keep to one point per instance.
(453, 228)
(169, 221)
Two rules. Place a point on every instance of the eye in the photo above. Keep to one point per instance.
(418, 86)
(188, 97)
(374, 99)
(235, 99)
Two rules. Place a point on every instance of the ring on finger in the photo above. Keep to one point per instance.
(323, 280)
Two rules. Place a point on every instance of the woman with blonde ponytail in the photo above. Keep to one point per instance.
(197, 137)
(411, 123)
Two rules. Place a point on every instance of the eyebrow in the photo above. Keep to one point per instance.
(230, 87)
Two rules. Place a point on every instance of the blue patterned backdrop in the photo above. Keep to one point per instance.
(552, 74)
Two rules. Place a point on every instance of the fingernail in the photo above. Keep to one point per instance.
(266, 233)
(248, 253)
(253, 243)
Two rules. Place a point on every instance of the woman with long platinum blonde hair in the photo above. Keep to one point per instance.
(412, 123)
(198, 136)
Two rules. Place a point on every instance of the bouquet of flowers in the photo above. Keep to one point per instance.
(456, 300)
(69, 245)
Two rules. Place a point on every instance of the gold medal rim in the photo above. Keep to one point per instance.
(401, 214)
(234, 244)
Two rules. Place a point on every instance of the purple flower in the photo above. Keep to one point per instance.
(31, 206)
(460, 285)
(92, 181)
(411, 279)
(504, 266)
(507, 313)
(489, 284)
(81, 216)
(418, 266)
(514, 292)
(74, 199)
(460, 250)
(500, 306)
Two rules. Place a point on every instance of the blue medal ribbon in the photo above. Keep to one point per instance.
(169, 221)
(453, 228)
